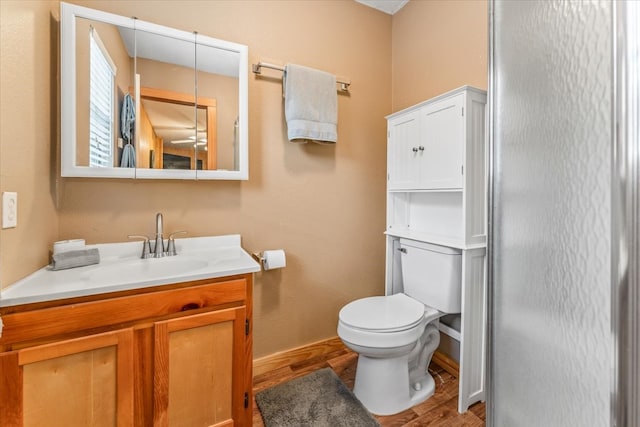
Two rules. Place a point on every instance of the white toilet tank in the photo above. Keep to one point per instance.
(432, 274)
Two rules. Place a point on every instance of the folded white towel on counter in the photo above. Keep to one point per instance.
(310, 104)
(68, 245)
(72, 259)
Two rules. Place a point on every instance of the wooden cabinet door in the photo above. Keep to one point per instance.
(403, 167)
(442, 134)
(78, 382)
(200, 363)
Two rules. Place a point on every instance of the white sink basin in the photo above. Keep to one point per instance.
(148, 269)
(121, 268)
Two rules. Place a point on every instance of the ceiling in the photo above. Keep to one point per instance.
(386, 6)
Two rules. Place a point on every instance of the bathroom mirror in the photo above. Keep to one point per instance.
(140, 100)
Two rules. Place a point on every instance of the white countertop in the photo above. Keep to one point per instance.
(121, 268)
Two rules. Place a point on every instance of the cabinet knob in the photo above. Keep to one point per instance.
(421, 148)
(415, 149)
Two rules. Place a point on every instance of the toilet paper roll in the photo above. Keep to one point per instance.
(274, 259)
(68, 245)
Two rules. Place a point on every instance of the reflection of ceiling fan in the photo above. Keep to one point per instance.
(178, 132)
(160, 127)
(190, 140)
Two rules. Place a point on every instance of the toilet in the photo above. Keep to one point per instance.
(396, 335)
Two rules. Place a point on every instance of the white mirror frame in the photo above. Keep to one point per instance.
(69, 168)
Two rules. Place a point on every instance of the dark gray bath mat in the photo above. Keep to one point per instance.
(318, 399)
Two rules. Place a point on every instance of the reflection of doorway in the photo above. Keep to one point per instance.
(174, 161)
(176, 132)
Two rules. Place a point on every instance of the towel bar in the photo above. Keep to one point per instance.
(257, 69)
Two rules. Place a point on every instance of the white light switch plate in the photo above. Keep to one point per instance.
(9, 209)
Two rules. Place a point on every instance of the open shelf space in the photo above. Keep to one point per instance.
(451, 325)
(434, 216)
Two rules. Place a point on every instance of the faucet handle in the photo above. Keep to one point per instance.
(146, 245)
(171, 244)
(176, 232)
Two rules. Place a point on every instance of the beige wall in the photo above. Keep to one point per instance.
(28, 133)
(438, 45)
(324, 205)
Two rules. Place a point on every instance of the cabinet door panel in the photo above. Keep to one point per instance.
(76, 390)
(79, 382)
(198, 380)
(442, 136)
(403, 168)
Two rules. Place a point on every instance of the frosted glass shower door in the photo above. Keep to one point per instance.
(552, 143)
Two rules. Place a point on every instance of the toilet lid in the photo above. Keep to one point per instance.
(391, 313)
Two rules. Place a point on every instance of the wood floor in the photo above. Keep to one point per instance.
(439, 410)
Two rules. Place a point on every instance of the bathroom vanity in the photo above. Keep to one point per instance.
(169, 345)
(436, 194)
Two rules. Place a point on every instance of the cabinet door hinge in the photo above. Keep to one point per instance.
(246, 400)
(246, 327)
(463, 111)
(462, 170)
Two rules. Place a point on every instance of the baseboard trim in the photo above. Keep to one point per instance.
(319, 348)
(294, 355)
(446, 363)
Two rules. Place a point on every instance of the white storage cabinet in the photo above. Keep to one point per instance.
(436, 193)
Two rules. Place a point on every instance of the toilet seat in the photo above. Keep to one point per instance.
(383, 314)
(393, 321)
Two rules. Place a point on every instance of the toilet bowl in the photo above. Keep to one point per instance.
(396, 335)
(395, 338)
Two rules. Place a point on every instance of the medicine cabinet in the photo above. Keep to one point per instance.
(141, 100)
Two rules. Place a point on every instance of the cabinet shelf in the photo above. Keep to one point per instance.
(451, 324)
(449, 331)
(405, 233)
(427, 190)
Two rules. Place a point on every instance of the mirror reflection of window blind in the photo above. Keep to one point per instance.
(101, 87)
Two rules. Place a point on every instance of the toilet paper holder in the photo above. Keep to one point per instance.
(270, 260)
(258, 257)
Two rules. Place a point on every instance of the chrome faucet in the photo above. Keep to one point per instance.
(158, 250)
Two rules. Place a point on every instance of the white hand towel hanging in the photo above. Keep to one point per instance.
(310, 105)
